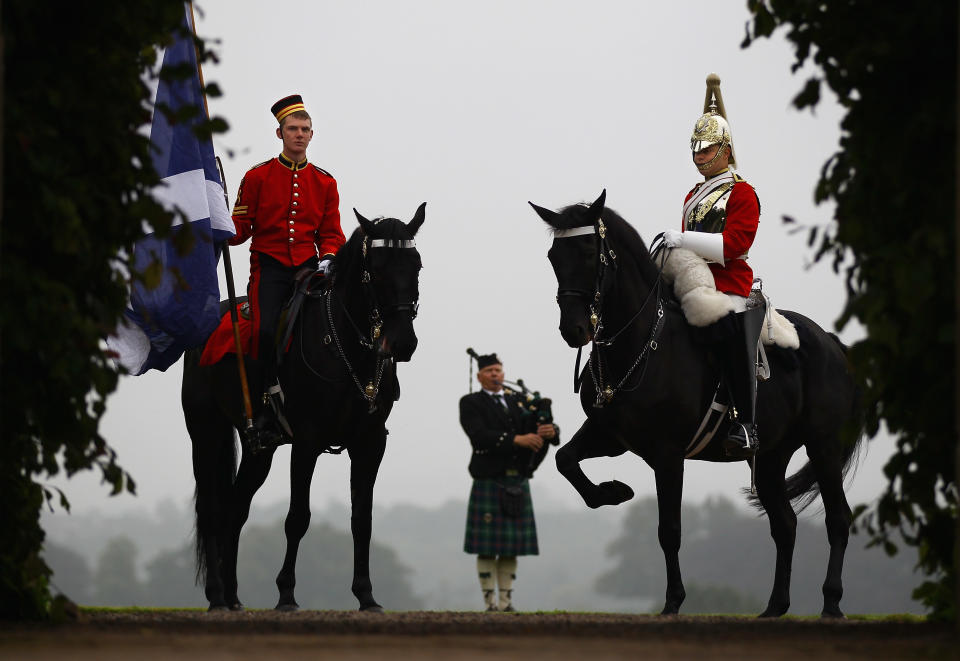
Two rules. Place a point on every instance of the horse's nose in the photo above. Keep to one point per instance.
(574, 335)
(400, 348)
(403, 351)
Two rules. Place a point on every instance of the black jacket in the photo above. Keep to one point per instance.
(491, 430)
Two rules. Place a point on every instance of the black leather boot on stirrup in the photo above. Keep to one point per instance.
(739, 360)
(272, 423)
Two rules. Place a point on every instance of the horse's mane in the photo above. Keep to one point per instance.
(627, 238)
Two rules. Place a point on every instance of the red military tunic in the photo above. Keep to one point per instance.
(292, 210)
(734, 211)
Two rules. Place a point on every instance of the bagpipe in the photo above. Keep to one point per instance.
(535, 410)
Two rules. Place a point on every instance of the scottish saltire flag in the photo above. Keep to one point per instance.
(165, 321)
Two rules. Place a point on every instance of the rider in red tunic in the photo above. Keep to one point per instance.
(720, 219)
(290, 208)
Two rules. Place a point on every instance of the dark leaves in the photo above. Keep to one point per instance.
(892, 184)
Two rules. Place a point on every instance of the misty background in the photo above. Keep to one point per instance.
(476, 109)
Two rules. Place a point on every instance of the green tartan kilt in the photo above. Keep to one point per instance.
(489, 531)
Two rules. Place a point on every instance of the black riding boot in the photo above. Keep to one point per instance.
(738, 358)
(270, 428)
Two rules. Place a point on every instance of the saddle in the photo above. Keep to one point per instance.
(221, 342)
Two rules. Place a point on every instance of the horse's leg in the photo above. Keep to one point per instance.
(771, 491)
(588, 444)
(303, 460)
(209, 520)
(828, 467)
(211, 437)
(364, 464)
(669, 476)
(251, 475)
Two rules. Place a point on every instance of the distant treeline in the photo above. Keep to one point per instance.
(606, 560)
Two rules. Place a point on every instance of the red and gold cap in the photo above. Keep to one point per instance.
(287, 106)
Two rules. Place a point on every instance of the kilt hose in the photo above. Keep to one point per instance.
(489, 530)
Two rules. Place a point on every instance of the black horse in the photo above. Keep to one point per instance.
(340, 380)
(649, 382)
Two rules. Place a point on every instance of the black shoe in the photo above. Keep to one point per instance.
(741, 441)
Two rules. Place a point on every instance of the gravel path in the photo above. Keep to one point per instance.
(184, 635)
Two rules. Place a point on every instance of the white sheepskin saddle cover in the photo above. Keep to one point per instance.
(702, 304)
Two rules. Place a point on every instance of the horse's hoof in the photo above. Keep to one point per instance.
(376, 608)
(670, 610)
(237, 607)
(287, 608)
(832, 614)
(219, 608)
(774, 611)
(615, 492)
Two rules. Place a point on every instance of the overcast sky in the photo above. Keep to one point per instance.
(476, 108)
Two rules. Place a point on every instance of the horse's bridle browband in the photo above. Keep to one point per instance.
(575, 231)
(393, 243)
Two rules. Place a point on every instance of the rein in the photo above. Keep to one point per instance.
(607, 260)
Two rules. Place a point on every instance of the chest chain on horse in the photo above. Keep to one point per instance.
(605, 393)
(370, 391)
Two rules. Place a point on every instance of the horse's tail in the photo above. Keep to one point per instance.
(802, 487)
(215, 457)
(210, 508)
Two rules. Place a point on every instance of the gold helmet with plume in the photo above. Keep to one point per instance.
(712, 127)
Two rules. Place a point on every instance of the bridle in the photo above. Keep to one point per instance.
(369, 391)
(607, 260)
(606, 270)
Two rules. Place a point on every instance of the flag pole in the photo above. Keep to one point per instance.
(228, 265)
(234, 319)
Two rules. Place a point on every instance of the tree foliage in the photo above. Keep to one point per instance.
(77, 177)
(894, 71)
(323, 576)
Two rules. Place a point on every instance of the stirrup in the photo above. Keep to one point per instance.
(273, 398)
(258, 438)
(740, 442)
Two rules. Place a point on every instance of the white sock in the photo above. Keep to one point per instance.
(486, 570)
(506, 573)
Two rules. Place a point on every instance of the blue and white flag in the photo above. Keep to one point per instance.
(163, 322)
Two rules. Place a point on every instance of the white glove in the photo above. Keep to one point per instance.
(707, 245)
(324, 266)
(672, 238)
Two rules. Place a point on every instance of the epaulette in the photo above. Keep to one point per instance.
(738, 179)
(321, 170)
(260, 165)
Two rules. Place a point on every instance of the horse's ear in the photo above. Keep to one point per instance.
(365, 225)
(418, 219)
(596, 209)
(551, 218)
